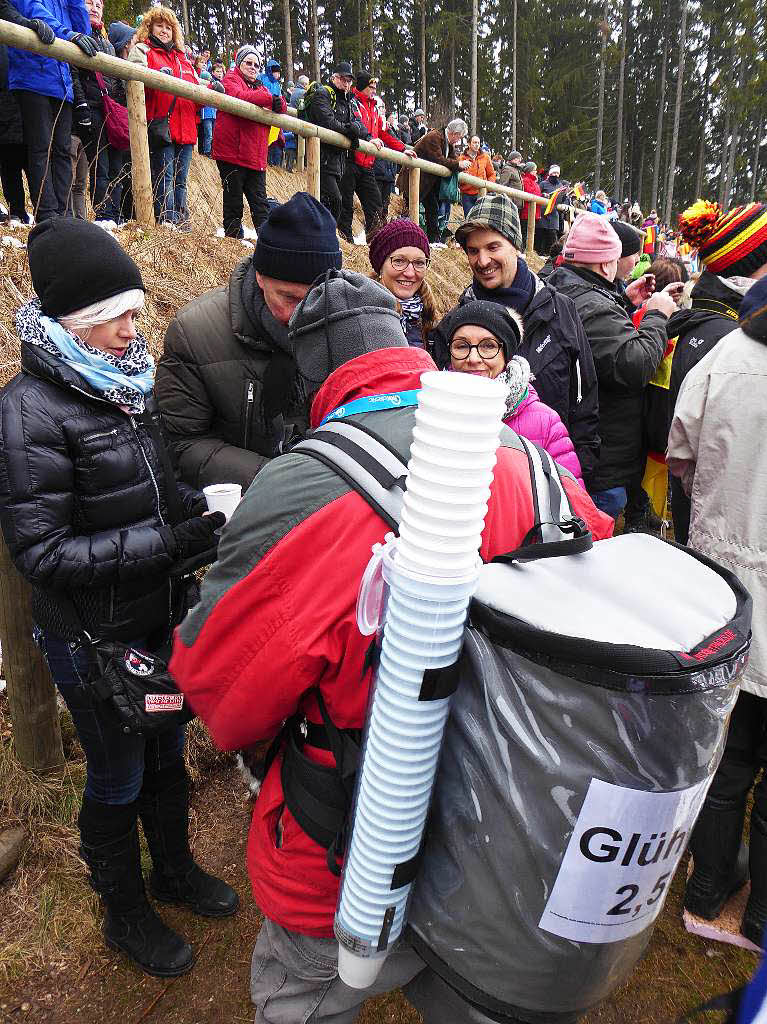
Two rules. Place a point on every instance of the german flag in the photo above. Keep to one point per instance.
(579, 191)
(650, 234)
(553, 200)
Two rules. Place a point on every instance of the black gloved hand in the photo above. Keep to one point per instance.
(277, 104)
(85, 43)
(43, 31)
(82, 116)
(196, 536)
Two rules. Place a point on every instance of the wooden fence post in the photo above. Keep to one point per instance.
(530, 228)
(31, 693)
(313, 166)
(301, 154)
(141, 171)
(414, 193)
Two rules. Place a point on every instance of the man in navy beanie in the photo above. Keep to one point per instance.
(227, 385)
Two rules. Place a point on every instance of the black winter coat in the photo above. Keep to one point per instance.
(86, 89)
(339, 117)
(215, 380)
(625, 359)
(560, 358)
(83, 504)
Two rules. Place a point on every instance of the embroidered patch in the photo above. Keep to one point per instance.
(138, 664)
(163, 702)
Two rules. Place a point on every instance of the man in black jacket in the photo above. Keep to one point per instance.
(625, 357)
(554, 342)
(331, 106)
(226, 383)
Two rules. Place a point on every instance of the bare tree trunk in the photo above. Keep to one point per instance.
(289, 69)
(185, 20)
(225, 26)
(514, 78)
(474, 42)
(659, 127)
(704, 104)
(640, 176)
(604, 28)
(359, 35)
(371, 65)
(314, 41)
(677, 113)
(452, 75)
(619, 112)
(755, 161)
(735, 138)
(424, 92)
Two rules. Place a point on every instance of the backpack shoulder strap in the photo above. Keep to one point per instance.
(556, 530)
(365, 461)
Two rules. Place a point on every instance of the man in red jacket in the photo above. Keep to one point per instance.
(276, 628)
(359, 175)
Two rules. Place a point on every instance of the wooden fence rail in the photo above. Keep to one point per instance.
(141, 76)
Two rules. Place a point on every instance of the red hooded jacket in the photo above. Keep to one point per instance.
(277, 617)
(530, 184)
(183, 120)
(368, 114)
(235, 139)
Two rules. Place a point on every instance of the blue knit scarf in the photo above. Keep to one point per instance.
(517, 295)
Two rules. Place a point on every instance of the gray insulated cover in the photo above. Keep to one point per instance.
(575, 761)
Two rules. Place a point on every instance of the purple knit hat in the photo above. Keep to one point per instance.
(396, 235)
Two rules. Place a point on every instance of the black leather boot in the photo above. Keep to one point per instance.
(110, 848)
(720, 862)
(175, 877)
(755, 917)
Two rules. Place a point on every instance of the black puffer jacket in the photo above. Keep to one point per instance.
(83, 503)
(227, 386)
(560, 358)
(625, 359)
(340, 116)
(86, 89)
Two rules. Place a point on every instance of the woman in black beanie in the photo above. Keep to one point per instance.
(96, 522)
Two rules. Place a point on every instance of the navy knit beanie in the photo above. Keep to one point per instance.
(297, 241)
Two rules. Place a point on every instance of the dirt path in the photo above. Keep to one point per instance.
(678, 972)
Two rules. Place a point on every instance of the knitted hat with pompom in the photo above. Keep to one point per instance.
(730, 244)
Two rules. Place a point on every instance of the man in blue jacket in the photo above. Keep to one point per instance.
(43, 87)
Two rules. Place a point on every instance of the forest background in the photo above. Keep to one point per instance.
(654, 100)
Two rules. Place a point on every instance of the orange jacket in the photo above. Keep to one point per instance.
(481, 167)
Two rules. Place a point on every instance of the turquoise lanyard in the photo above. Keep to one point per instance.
(373, 403)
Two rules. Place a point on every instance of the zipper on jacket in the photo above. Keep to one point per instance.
(248, 412)
(578, 375)
(104, 433)
(149, 467)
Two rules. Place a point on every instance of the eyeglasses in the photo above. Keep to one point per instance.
(486, 348)
(400, 263)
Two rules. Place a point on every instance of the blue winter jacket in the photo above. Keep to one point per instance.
(45, 75)
(268, 79)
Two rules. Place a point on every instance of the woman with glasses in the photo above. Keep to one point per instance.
(399, 255)
(482, 338)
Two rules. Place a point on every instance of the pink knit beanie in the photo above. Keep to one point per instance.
(396, 235)
(592, 240)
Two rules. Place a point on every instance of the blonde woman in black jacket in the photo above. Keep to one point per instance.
(96, 523)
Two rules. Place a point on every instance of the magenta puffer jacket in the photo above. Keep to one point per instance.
(538, 422)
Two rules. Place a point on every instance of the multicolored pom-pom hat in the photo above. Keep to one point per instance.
(729, 244)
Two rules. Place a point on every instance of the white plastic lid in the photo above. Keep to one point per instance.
(371, 593)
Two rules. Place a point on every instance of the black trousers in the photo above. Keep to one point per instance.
(362, 181)
(430, 202)
(13, 157)
(238, 181)
(544, 239)
(47, 137)
(385, 188)
(745, 753)
(330, 193)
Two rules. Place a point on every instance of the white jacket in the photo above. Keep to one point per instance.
(718, 446)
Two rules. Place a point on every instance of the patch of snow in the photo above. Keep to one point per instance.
(12, 243)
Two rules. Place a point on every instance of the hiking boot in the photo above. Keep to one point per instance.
(720, 861)
(176, 878)
(755, 918)
(645, 521)
(110, 848)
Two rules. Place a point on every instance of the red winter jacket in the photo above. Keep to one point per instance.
(183, 120)
(235, 139)
(277, 617)
(374, 123)
(530, 184)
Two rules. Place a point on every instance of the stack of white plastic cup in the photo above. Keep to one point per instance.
(431, 572)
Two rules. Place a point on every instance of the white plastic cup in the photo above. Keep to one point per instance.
(223, 498)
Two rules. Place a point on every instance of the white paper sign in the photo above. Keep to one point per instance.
(621, 857)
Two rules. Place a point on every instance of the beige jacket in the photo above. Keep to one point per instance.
(718, 446)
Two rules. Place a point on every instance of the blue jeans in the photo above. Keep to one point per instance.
(116, 760)
(612, 501)
(170, 167)
(205, 135)
(467, 202)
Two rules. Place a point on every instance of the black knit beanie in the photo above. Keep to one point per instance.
(74, 263)
(631, 240)
(297, 241)
(493, 316)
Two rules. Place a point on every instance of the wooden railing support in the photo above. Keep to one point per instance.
(530, 229)
(313, 167)
(414, 193)
(141, 171)
(31, 693)
(301, 153)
